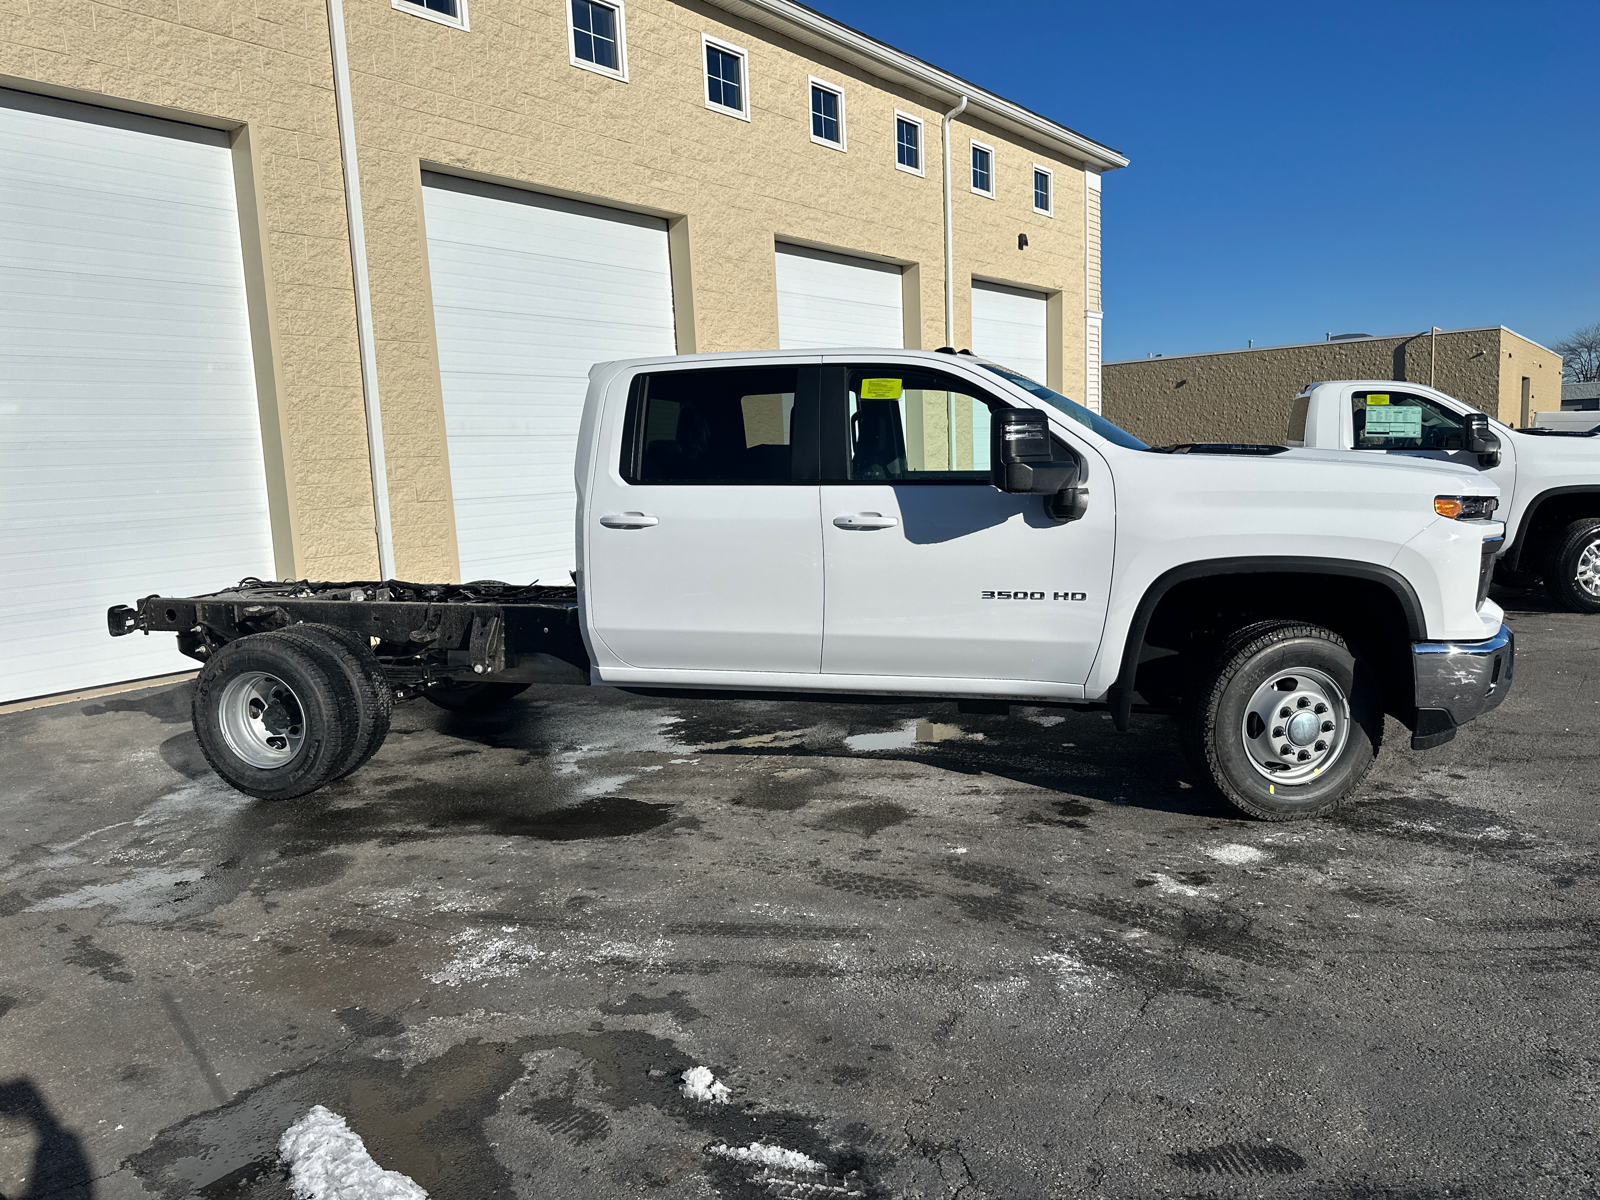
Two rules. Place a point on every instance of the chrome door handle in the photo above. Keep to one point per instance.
(868, 520)
(627, 520)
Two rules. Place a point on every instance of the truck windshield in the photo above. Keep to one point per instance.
(1071, 408)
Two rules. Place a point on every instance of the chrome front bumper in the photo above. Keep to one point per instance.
(1458, 681)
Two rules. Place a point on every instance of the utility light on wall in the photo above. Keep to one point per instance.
(1022, 241)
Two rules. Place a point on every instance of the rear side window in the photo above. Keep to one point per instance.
(1297, 420)
(1402, 421)
(915, 426)
(717, 427)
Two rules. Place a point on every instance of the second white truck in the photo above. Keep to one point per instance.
(900, 524)
(1549, 478)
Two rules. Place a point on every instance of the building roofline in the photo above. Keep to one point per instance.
(822, 32)
(1381, 337)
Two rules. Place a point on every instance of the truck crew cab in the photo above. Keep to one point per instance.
(897, 524)
(1549, 478)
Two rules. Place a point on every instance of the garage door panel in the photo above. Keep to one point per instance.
(1010, 327)
(827, 299)
(530, 292)
(130, 450)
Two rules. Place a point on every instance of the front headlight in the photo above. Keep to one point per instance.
(1466, 508)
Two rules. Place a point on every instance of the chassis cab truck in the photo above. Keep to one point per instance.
(1549, 478)
(901, 524)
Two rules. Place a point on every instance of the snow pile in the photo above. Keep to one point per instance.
(1168, 886)
(759, 1154)
(329, 1162)
(700, 1084)
(1235, 855)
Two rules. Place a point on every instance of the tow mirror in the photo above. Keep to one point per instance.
(1482, 441)
(1022, 462)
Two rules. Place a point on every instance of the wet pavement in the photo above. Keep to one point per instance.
(939, 955)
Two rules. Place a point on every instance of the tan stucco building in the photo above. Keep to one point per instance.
(1245, 395)
(662, 175)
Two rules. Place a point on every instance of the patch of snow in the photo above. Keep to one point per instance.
(328, 1161)
(1168, 886)
(1235, 855)
(1045, 719)
(956, 849)
(760, 1154)
(700, 1084)
(1068, 969)
(483, 956)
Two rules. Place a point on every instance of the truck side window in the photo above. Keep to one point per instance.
(1402, 421)
(716, 426)
(914, 426)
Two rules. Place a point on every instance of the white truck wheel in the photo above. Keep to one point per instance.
(1285, 722)
(1573, 575)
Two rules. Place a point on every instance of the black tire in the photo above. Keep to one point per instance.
(1572, 572)
(473, 697)
(264, 687)
(354, 668)
(1250, 670)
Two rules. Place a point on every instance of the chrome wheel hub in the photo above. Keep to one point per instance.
(1295, 726)
(261, 719)
(1587, 575)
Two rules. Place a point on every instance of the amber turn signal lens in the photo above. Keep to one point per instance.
(1448, 506)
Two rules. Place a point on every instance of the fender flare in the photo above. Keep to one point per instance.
(1121, 696)
(1513, 555)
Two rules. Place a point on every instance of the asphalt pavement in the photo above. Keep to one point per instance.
(930, 954)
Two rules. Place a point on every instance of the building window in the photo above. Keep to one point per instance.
(908, 142)
(727, 90)
(983, 169)
(1043, 193)
(597, 38)
(446, 12)
(827, 115)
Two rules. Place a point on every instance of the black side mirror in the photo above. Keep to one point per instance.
(1482, 441)
(1022, 461)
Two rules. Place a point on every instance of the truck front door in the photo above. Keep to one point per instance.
(931, 571)
(1397, 421)
(702, 549)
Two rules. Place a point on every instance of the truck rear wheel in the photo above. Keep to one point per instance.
(271, 718)
(1285, 722)
(350, 663)
(473, 697)
(1573, 572)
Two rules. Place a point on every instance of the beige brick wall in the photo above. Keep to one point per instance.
(502, 102)
(1518, 358)
(1246, 395)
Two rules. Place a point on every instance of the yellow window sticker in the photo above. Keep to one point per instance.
(1377, 398)
(880, 389)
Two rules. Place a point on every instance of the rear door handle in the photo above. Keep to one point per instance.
(868, 520)
(627, 520)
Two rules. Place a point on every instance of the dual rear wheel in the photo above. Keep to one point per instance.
(281, 714)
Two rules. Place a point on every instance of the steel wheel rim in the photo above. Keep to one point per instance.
(1295, 725)
(262, 720)
(1587, 574)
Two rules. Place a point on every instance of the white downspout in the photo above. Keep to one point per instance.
(363, 289)
(949, 229)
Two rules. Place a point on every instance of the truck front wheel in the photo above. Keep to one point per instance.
(1573, 574)
(271, 719)
(1285, 722)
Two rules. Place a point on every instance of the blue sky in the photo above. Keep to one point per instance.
(1306, 168)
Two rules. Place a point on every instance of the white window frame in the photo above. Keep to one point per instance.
(744, 82)
(814, 82)
(977, 145)
(427, 14)
(1051, 186)
(621, 71)
(920, 171)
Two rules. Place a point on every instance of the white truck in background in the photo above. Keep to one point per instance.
(896, 524)
(1549, 478)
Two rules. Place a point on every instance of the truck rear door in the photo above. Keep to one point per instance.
(702, 548)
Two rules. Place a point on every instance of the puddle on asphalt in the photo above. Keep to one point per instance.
(909, 734)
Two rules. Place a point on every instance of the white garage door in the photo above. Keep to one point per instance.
(833, 300)
(529, 292)
(1008, 327)
(130, 441)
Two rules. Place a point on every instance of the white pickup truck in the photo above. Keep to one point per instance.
(1549, 478)
(894, 524)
